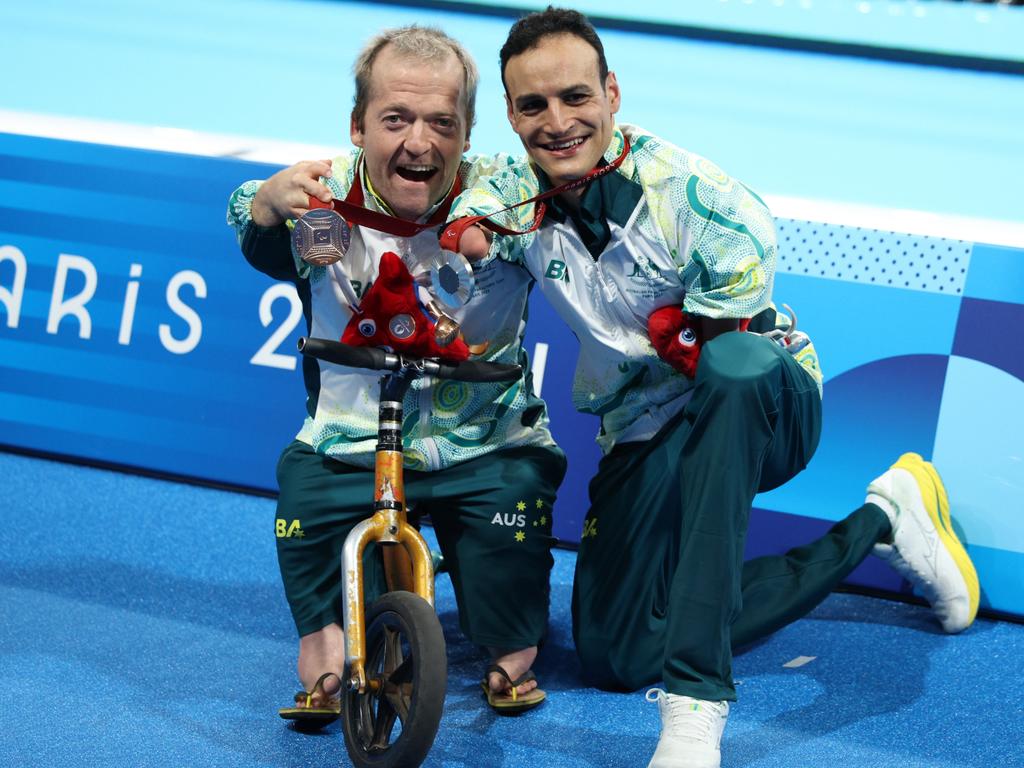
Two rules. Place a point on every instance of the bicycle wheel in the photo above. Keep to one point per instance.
(393, 724)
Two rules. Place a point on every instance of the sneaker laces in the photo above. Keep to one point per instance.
(890, 551)
(687, 718)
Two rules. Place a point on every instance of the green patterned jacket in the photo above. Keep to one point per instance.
(446, 422)
(682, 232)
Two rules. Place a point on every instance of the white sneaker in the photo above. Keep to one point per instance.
(691, 731)
(924, 547)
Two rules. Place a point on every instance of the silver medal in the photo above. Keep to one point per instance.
(451, 279)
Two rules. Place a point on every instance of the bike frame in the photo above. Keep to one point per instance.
(407, 560)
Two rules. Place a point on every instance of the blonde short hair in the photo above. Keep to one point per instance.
(428, 44)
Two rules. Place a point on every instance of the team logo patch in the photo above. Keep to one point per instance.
(518, 520)
(509, 519)
(402, 326)
(287, 530)
(557, 270)
(646, 270)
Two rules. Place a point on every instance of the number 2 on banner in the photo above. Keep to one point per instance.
(267, 354)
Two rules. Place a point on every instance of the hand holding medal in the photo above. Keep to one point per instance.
(322, 235)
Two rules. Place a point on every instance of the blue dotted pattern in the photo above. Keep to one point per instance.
(862, 255)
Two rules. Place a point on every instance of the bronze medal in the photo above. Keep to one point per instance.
(321, 237)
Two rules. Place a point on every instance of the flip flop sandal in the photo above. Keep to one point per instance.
(510, 702)
(308, 717)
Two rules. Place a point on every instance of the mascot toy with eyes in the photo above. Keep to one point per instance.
(391, 315)
(676, 335)
(677, 338)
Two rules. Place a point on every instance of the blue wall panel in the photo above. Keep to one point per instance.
(996, 274)
(163, 387)
(159, 368)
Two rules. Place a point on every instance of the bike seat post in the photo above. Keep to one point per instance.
(386, 525)
(389, 488)
(406, 556)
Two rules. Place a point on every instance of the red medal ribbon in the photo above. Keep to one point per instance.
(353, 210)
(453, 232)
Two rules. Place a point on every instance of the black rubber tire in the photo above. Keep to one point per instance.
(403, 636)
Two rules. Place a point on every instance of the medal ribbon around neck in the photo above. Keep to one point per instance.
(322, 234)
(355, 212)
(452, 234)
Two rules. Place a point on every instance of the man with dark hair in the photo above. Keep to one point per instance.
(479, 458)
(554, 21)
(662, 265)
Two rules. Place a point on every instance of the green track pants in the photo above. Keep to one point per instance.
(492, 517)
(661, 590)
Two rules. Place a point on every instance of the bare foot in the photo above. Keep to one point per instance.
(516, 663)
(319, 652)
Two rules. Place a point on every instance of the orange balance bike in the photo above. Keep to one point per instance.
(396, 666)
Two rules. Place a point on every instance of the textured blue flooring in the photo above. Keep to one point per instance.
(142, 624)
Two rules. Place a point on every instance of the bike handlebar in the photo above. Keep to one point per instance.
(377, 359)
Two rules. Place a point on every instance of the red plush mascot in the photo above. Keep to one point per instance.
(677, 338)
(392, 316)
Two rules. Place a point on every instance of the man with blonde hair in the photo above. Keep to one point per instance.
(479, 458)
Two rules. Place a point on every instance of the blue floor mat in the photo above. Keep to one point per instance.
(142, 623)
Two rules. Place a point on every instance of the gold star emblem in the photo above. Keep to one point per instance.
(543, 519)
(521, 506)
(539, 503)
(520, 536)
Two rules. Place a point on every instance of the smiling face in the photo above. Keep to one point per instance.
(413, 131)
(557, 104)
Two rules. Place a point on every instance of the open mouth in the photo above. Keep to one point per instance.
(563, 145)
(416, 172)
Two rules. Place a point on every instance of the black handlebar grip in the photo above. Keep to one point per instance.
(479, 371)
(344, 354)
(377, 359)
